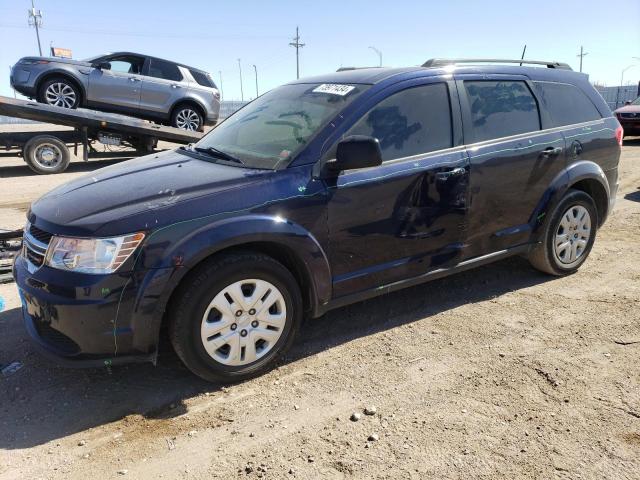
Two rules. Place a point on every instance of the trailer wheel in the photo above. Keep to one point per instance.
(46, 154)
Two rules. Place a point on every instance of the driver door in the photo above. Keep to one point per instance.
(117, 88)
(407, 216)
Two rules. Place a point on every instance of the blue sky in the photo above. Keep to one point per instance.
(213, 34)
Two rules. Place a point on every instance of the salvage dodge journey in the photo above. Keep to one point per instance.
(320, 193)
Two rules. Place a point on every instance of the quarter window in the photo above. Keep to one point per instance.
(567, 104)
(162, 69)
(202, 79)
(501, 109)
(410, 122)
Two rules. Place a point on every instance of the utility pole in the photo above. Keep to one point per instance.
(221, 91)
(296, 43)
(379, 54)
(581, 55)
(241, 90)
(35, 19)
(256, 70)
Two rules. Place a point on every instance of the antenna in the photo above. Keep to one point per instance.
(35, 20)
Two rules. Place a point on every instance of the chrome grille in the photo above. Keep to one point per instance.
(34, 248)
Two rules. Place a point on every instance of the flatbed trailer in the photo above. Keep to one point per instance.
(48, 151)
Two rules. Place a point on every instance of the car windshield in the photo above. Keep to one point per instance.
(636, 101)
(271, 130)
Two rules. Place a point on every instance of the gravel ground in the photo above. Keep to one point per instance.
(500, 372)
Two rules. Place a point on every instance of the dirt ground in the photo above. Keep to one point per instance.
(499, 372)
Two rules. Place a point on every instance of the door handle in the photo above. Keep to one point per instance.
(551, 152)
(132, 79)
(456, 172)
(173, 85)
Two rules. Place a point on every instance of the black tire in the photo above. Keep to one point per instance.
(46, 154)
(184, 111)
(543, 256)
(186, 312)
(68, 84)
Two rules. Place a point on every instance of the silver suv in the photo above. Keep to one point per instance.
(123, 82)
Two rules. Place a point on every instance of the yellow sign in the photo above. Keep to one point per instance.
(60, 52)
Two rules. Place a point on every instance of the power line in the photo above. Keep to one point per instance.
(582, 54)
(296, 43)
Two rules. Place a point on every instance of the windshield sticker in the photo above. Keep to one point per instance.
(334, 89)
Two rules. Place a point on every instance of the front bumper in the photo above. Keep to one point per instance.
(80, 319)
(23, 81)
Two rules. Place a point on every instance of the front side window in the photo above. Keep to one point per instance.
(126, 64)
(271, 130)
(410, 122)
(162, 69)
(567, 104)
(501, 109)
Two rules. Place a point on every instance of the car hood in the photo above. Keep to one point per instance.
(157, 188)
(58, 60)
(628, 109)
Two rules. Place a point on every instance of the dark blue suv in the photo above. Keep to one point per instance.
(320, 193)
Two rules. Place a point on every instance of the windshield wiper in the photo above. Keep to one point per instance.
(214, 152)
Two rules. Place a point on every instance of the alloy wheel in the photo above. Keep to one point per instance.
(187, 119)
(60, 94)
(243, 322)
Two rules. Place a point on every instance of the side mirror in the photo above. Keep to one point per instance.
(356, 151)
(102, 65)
(628, 102)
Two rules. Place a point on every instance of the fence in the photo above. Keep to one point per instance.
(617, 96)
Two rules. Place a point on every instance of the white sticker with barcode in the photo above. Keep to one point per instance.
(334, 89)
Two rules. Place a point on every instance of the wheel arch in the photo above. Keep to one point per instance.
(189, 101)
(286, 242)
(586, 176)
(68, 76)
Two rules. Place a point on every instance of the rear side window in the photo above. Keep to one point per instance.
(162, 69)
(202, 79)
(567, 104)
(501, 109)
(410, 122)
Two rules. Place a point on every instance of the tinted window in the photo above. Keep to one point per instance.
(162, 69)
(501, 109)
(414, 121)
(202, 78)
(567, 104)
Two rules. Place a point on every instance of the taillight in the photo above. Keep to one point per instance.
(619, 134)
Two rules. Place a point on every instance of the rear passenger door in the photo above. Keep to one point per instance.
(407, 216)
(570, 109)
(162, 87)
(514, 159)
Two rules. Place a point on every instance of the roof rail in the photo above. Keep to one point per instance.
(441, 62)
(345, 69)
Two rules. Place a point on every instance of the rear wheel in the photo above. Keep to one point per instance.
(187, 117)
(59, 92)
(46, 154)
(235, 316)
(568, 235)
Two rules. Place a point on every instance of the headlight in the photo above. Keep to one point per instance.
(33, 62)
(91, 255)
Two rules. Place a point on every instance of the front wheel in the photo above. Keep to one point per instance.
(568, 235)
(59, 92)
(234, 316)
